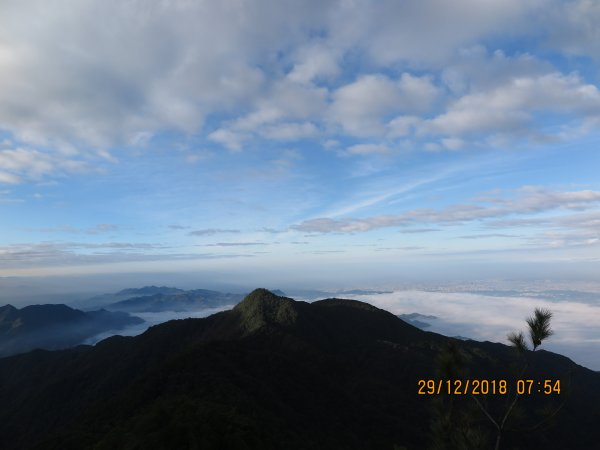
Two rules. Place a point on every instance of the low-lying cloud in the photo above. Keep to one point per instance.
(155, 318)
(484, 317)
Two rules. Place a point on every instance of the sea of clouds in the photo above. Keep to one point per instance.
(154, 318)
(576, 323)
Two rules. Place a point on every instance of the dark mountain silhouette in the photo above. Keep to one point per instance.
(54, 326)
(272, 373)
(179, 301)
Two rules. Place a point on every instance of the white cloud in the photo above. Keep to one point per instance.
(274, 115)
(453, 143)
(18, 164)
(314, 61)
(100, 72)
(228, 138)
(9, 178)
(360, 106)
(403, 125)
(574, 27)
(476, 69)
(511, 107)
(290, 131)
(367, 149)
(425, 32)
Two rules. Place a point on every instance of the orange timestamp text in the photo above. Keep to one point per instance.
(488, 387)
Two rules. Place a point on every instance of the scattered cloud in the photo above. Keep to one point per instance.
(283, 70)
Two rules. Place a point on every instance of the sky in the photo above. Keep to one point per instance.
(350, 142)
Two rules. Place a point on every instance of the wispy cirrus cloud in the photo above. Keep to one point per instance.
(96, 229)
(49, 254)
(211, 231)
(489, 235)
(529, 200)
(235, 244)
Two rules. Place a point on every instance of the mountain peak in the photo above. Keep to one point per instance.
(261, 307)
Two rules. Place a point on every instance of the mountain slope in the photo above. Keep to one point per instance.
(271, 373)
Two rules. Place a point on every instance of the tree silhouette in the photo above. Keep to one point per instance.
(539, 330)
(539, 326)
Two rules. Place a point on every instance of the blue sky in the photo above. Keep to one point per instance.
(361, 142)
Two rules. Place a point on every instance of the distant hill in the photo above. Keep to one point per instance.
(54, 326)
(418, 320)
(274, 373)
(176, 301)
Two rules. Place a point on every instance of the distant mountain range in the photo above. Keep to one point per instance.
(160, 299)
(54, 326)
(175, 300)
(164, 298)
(100, 301)
(58, 326)
(274, 373)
